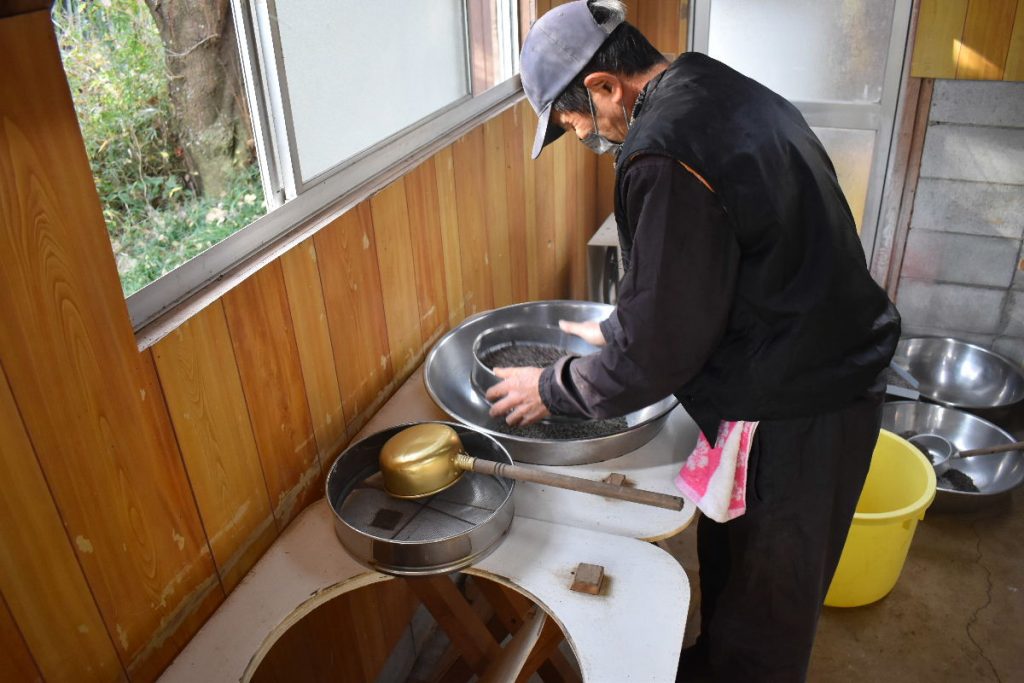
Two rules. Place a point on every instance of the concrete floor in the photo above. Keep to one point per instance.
(956, 613)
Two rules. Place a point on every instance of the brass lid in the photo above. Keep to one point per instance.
(420, 460)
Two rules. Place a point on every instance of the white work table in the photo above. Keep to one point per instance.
(632, 631)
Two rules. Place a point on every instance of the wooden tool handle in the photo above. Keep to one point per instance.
(992, 449)
(563, 481)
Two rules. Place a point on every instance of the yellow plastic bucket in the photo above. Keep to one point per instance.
(899, 488)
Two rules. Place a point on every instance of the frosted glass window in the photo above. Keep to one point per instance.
(851, 152)
(358, 72)
(807, 50)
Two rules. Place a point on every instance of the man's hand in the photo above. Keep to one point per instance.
(589, 332)
(517, 396)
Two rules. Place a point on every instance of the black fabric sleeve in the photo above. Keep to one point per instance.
(674, 300)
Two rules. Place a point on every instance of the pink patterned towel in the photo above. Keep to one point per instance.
(715, 477)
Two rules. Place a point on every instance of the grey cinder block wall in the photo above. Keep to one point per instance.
(963, 269)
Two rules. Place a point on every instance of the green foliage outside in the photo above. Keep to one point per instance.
(114, 60)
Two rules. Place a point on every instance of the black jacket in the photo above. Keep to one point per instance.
(807, 330)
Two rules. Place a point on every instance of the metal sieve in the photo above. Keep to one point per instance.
(432, 535)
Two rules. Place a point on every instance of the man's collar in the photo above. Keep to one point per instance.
(648, 88)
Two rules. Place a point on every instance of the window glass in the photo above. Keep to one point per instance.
(358, 72)
(806, 50)
(178, 121)
(166, 126)
(851, 152)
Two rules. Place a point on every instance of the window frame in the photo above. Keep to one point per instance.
(878, 117)
(296, 209)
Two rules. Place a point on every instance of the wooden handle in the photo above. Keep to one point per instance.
(992, 449)
(563, 481)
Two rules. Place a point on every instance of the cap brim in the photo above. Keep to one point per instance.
(546, 133)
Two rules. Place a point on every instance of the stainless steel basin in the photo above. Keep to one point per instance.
(994, 475)
(449, 367)
(960, 375)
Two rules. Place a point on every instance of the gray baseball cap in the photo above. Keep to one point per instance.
(555, 51)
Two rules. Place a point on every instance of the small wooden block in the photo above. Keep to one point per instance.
(588, 578)
(615, 479)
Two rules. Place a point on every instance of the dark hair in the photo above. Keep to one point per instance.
(626, 52)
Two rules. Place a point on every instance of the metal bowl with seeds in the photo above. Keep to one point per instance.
(970, 483)
(448, 376)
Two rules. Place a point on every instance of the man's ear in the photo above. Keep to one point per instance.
(605, 84)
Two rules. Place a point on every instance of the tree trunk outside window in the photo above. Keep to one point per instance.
(205, 85)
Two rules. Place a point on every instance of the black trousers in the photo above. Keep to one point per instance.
(763, 576)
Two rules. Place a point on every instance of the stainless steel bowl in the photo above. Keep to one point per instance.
(994, 475)
(449, 366)
(434, 535)
(960, 375)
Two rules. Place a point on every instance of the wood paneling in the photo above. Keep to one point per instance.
(986, 39)
(447, 201)
(969, 39)
(940, 26)
(428, 249)
(1015, 57)
(16, 663)
(11, 7)
(90, 403)
(204, 395)
(397, 264)
(662, 21)
(142, 485)
(496, 217)
(543, 282)
(268, 363)
(519, 206)
(313, 339)
(563, 209)
(38, 571)
(470, 190)
(355, 311)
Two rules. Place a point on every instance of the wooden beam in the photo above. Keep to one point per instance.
(456, 616)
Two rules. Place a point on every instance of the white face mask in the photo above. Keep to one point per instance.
(596, 142)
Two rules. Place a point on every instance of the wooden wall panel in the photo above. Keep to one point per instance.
(496, 211)
(1015, 57)
(264, 343)
(201, 383)
(90, 403)
(662, 21)
(543, 282)
(428, 249)
(520, 203)
(940, 26)
(563, 211)
(316, 356)
(970, 39)
(447, 202)
(397, 263)
(355, 311)
(38, 571)
(986, 39)
(470, 190)
(16, 663)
